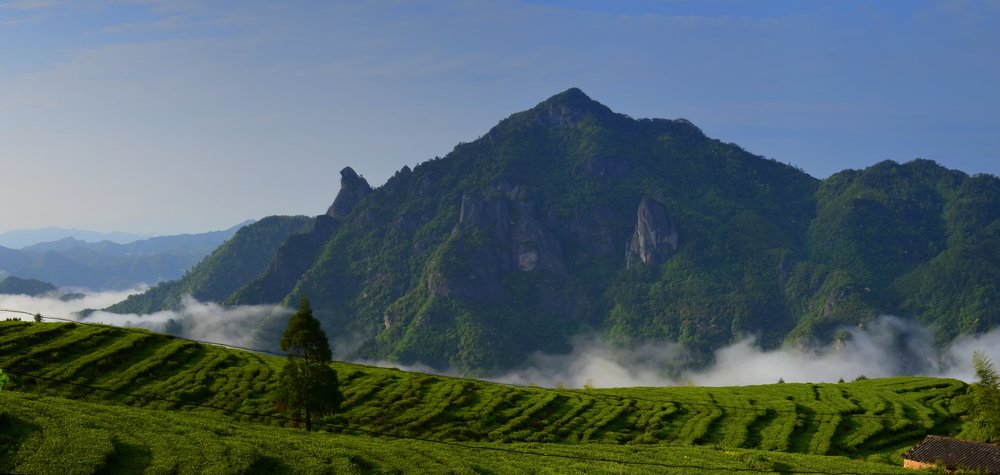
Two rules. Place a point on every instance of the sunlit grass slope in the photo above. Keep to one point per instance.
(149, 370)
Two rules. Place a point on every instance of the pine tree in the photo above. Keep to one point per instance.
(308, 386)
(986, 398)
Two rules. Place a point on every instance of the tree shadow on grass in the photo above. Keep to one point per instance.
(127, 458)
(13, 431)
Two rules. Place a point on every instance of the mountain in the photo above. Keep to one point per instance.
(180, 244)
(19, 238)
(570, 218)
(70, 262)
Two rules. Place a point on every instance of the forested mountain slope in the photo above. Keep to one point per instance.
(237, 260)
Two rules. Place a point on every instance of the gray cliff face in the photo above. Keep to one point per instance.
(509, 218)
(516, 239)
(655, 235)
(353, 189)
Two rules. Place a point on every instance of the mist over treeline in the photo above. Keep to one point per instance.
(888, 346)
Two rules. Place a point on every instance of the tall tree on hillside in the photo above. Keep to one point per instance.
(308, 386)
(3, 379)
(986, 399)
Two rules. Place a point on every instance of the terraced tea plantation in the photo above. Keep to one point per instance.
(47, 435)
(873, 418)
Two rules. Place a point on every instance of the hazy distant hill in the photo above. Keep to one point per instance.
(569, 218)
(19, 238)
(70, 262)
(13, 285)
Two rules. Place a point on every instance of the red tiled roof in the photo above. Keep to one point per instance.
(954, 453)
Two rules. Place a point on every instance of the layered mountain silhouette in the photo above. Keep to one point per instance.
(106, 265)
(570, 218)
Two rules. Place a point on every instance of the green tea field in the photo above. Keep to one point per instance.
(158, 387)
(47, 435)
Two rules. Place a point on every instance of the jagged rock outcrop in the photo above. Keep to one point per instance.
(511, 238)
(534, 246)
(492, 215)
(655, 235)
(510, 221)
(353, 188)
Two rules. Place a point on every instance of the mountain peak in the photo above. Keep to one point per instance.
(572, 95)
(568, 108)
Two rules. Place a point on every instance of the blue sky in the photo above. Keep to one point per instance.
(184, 116)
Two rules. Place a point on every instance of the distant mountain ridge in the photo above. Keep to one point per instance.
(107, 265)
(18, 238)
(570, 218)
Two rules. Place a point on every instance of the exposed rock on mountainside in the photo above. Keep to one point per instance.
(655, 235)
(352, 189)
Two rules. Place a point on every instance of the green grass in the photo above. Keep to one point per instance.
(872, 418)
(48, 435)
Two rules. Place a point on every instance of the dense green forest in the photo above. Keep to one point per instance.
(570, 218)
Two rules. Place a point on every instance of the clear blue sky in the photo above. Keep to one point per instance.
(183, 115)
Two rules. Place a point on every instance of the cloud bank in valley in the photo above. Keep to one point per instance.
(594, 362)
(889, 346)
(52, 305)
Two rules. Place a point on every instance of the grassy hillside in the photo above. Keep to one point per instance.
(143, 369)
(42, 434)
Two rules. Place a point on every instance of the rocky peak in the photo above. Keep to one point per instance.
(352, 189)
(655, 235)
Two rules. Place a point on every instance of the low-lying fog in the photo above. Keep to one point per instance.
(207, 322)
(890, 346)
